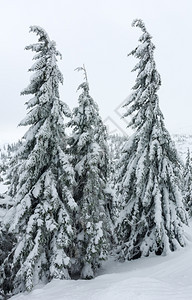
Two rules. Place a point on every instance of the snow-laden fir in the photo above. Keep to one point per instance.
(88, 147)
(187, 183)
(41, 179)
(149, 181)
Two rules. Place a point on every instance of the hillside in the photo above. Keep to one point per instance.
(183, 142)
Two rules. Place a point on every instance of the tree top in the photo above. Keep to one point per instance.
(40, 32)
(139, 23)
(84, 85)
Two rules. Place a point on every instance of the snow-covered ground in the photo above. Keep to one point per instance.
(153, 278)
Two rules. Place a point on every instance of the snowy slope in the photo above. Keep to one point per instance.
(183, 142)
(153, 278)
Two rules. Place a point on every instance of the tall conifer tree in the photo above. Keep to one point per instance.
(90, 152)
(149, 180)
(41, 181)
(187, 183)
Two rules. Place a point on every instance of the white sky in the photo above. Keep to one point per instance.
(99, 34)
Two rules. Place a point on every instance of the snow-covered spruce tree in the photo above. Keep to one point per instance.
(115, 143)
(187, 183)
(90, 161)
(41, 181)
(149, 180)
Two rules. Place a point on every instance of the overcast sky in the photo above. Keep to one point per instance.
(98, 34)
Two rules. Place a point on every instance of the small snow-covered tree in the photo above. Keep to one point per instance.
(41, 181)
(187, 183)
(149, 180)
(90, 161)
